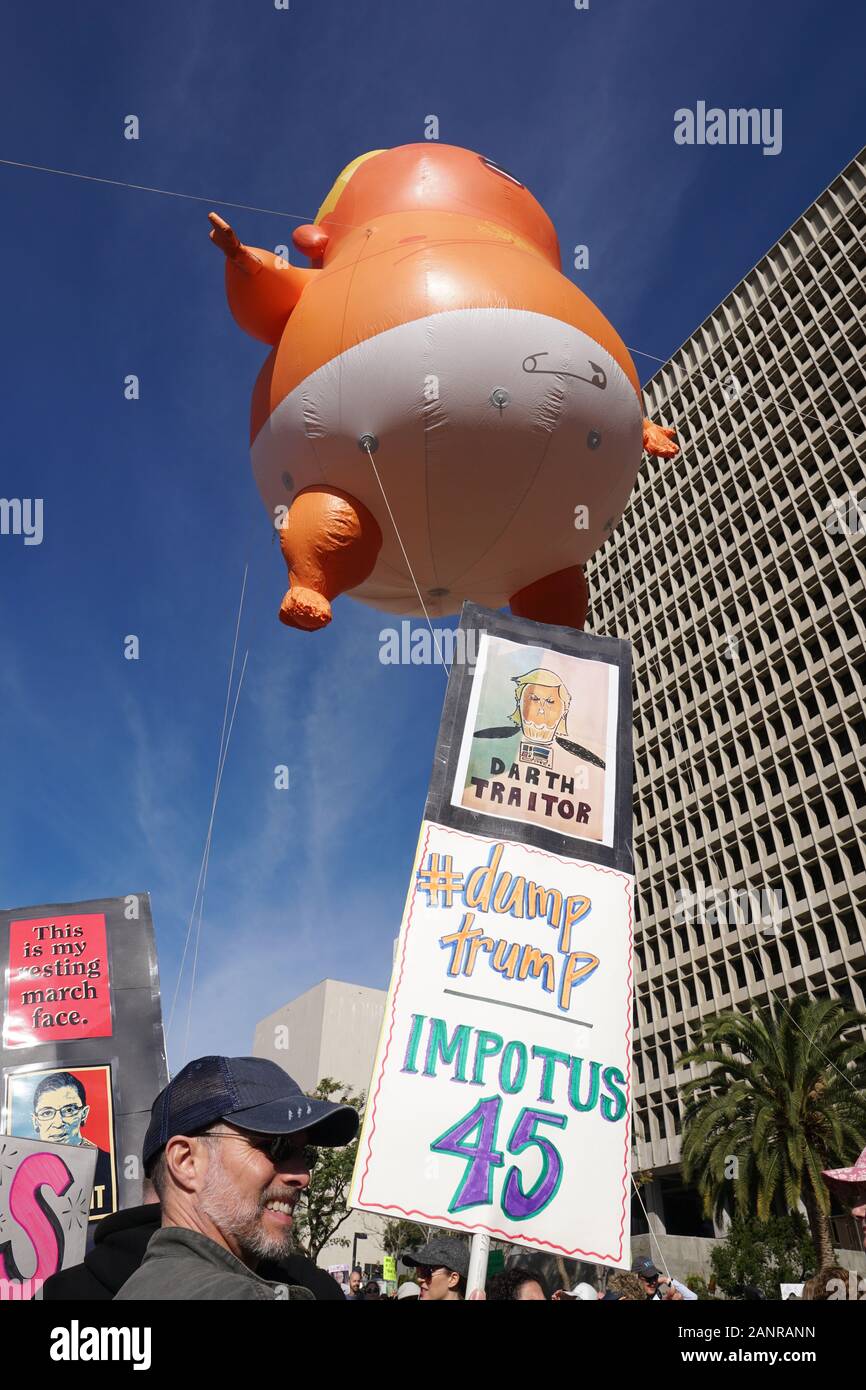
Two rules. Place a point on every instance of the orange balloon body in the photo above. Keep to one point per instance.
(504, 407)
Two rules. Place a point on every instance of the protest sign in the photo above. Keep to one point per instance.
(44, 1202)
(83, 1052)
(73, 1106)
(53, 964)
(501, 1093)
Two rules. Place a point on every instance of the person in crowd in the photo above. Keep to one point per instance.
(658, 1286)
(120, 1242)
(353, 1289)
(829, 1283)
(517, 1284)
(849, 1185)
(229, 1152)
(628, 1288)
(583, 1292)
(441, 1268)
(408, 1289)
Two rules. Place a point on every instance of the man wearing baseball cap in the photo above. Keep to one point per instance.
(441, 1268)
(229, 1150)
(849, 1185)
(657, 1287)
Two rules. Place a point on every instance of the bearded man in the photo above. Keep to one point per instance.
(229, 1150)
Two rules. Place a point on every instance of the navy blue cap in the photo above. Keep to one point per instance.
(644, 1266)
(251, 1093)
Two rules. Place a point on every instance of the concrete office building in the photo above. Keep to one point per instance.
(739, 576)
(331, 1030)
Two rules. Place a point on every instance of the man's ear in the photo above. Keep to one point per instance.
(186, 1160)
(85, 1111)
(453, 1278)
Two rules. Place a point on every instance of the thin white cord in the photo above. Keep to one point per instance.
(762, 400)
(166, 192)
(652, 1236)
(406, 558)
(207, 860)
(217, 779)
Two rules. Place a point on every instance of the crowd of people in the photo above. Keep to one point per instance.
(441, 1268)
(228, 1155)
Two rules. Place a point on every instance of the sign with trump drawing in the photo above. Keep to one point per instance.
(501, 1093)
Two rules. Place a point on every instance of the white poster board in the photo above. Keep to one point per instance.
(44, 1209)
(501, 1092)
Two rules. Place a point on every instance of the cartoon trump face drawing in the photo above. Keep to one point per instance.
(542, 705)
(540, 713)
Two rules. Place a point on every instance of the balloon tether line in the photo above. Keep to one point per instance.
(652, 1235)
(166, 192)
(207, 861)
(221, 758)
(406, 558)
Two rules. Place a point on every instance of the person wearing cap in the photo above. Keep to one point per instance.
(229, 1152)
(657, 1287)
(583, 1293)
(849, 1185)
(441, 1268)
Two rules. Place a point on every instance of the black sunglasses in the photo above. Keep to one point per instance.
(277, 1147)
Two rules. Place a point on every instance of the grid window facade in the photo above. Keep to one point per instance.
(738, 574)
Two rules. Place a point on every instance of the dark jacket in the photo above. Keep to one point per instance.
(118, 1249)
(180, 1264)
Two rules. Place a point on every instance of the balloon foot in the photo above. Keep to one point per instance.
(305, 609)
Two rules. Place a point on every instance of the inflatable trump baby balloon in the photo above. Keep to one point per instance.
(443, 415)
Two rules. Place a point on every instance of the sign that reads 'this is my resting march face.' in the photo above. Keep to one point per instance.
(58, 982)
(82, 1053)
(500, 1098)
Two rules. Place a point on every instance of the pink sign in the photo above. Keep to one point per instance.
(57, 980)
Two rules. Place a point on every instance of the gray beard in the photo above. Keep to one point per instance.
(241, 1219)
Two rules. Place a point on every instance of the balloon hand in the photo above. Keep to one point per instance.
(226, 239)
(659, 440)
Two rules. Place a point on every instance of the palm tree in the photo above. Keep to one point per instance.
(784, 1098)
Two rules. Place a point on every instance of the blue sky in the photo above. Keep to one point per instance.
(150, 510)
